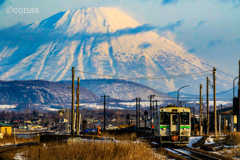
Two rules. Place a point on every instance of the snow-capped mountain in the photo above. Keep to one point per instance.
(102, 41)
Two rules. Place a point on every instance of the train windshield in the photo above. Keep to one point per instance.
(164, 118)
(184, 118)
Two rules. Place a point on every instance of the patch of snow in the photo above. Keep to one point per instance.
(170, 150)
(2, 107)
(209, 140)
(193, 140)
(236, 146)
(19, 156)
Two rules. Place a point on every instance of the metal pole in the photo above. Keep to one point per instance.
(238, 116)
(136, 114)
(234, 86)
(14, 135)
(215, 106)
(194, 119)
(207, 106)
(200, 111)
(178, 94)
(72, 129)
(68, 121)
(219, 119)
(77, 125)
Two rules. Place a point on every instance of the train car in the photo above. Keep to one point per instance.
(172, 125)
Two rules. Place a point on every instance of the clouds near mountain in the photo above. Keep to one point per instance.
(97, 40)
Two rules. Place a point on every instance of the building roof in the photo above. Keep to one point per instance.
(225, 110)
(5, 124)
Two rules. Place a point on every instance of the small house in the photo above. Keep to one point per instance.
(5, 128)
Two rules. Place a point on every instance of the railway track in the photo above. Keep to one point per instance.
(188, 153)
(193, 155)
(5, 148)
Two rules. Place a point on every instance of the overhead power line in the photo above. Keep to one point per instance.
(204, 73)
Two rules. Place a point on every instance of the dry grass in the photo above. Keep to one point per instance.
(231, 152)
(93, 150)
(10, 139)
(125, 136)
(232, 139)
(235, 137)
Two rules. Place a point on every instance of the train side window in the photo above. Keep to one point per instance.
(184, 118)
(175, 120)
(164, 118)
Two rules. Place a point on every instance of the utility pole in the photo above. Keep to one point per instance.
(207, 106)
(238, 116)
(200, 111)
(136, 99)
(154, 109)
(139, 99)
(104, 104)
(78, 87)
(215, 106)
(146, 117)
(72, 127)
(156, 105)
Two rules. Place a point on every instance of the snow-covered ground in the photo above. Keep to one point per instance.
(209, 141)
(193, 140)
(3, 107)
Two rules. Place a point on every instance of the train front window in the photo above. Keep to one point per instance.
(184, 118)
(164, 118)
(175, 120)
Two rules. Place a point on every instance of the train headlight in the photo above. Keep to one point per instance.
(184, 129)
(174, 138)
(164, 128)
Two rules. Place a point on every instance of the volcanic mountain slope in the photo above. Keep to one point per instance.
(98, 40)
(38, 91)
(121, 89)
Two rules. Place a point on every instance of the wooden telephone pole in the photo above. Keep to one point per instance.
(136, 99)
(139, 99)
(207, 106)
(215, 106)
(200, 111)
(72, 124)
(238, 114)
(77, 117)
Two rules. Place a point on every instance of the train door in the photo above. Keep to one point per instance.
(174, 123)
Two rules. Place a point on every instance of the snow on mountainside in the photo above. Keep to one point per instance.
(40, 92)
(121, 89)
(46, 92)
(98, 40)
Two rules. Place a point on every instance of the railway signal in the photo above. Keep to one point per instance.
(151, 98)
(61, 112)
(99, 131)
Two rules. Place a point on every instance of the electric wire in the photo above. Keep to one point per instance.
(148, 78)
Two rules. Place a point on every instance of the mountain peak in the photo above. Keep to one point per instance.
(76, 38)
(88, 20)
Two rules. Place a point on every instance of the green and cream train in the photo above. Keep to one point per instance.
(172, 125)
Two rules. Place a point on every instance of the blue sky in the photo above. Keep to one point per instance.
(209, 29)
